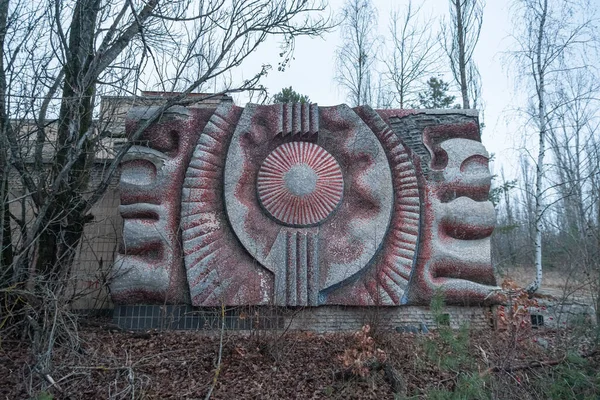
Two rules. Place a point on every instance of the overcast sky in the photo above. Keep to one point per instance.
(312, 71)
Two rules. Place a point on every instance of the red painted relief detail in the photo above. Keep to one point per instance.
(263, 202)
(387, 280)
(395, 113)
(299, 119)
(454, 257)
(301, 267)
(317, 174)
(149, 267)
(219, 270)
(433, 136)
(264, 208)
(359, 157)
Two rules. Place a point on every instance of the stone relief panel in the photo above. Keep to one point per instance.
(149, 266)
(299, 205)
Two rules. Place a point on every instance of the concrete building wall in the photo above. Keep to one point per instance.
(92, 269)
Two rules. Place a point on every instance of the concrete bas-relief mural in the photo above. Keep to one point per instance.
(300, 205)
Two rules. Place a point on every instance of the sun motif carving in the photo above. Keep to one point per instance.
(300, 184)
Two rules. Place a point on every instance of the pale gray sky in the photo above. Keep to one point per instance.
(312, 71)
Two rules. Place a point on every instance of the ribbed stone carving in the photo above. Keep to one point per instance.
(300, 184)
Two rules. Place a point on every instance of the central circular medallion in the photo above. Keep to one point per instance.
(300, 180)
(300, 184)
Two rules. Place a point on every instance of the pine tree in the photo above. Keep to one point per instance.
(289, 95)
(436, 95)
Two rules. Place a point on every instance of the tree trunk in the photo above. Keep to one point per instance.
(6, 249)
(540, 72)
(64, 222)
(597, 258)
(462, 65)
(511, 222)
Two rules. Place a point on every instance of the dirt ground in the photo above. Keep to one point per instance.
(572, 286)
(272, 365)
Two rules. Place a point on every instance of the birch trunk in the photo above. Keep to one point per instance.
(539, 171)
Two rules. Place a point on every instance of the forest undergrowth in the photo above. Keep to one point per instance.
(513, 361)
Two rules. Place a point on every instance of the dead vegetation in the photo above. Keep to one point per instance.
(517, 362)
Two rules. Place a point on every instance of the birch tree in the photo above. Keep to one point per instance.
(574, 144)
(572, 139)
(552, 39)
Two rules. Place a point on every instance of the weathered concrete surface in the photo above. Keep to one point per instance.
(149, 266)
(219, 270)
(455, 257)
(351, 207)
(299, 205)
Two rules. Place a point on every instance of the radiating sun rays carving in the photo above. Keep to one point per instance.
(300, 184)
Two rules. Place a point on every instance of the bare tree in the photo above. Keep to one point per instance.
(355, 59)
(459, 38)
(5, 228)
(385, 96)
(571, 138)
(552, 40)
(16, 22)
(58, 58)
(99, 40)
(505, 234)
(593, 151)
(413, 56)
(528, 198)
(573, 141)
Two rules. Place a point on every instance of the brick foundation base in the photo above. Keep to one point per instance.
(320, 319)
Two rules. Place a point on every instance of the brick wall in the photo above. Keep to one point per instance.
(319, 319)
(341, 319)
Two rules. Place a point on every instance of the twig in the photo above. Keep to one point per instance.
(533, 364)
(218, 370)
(52, 382)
